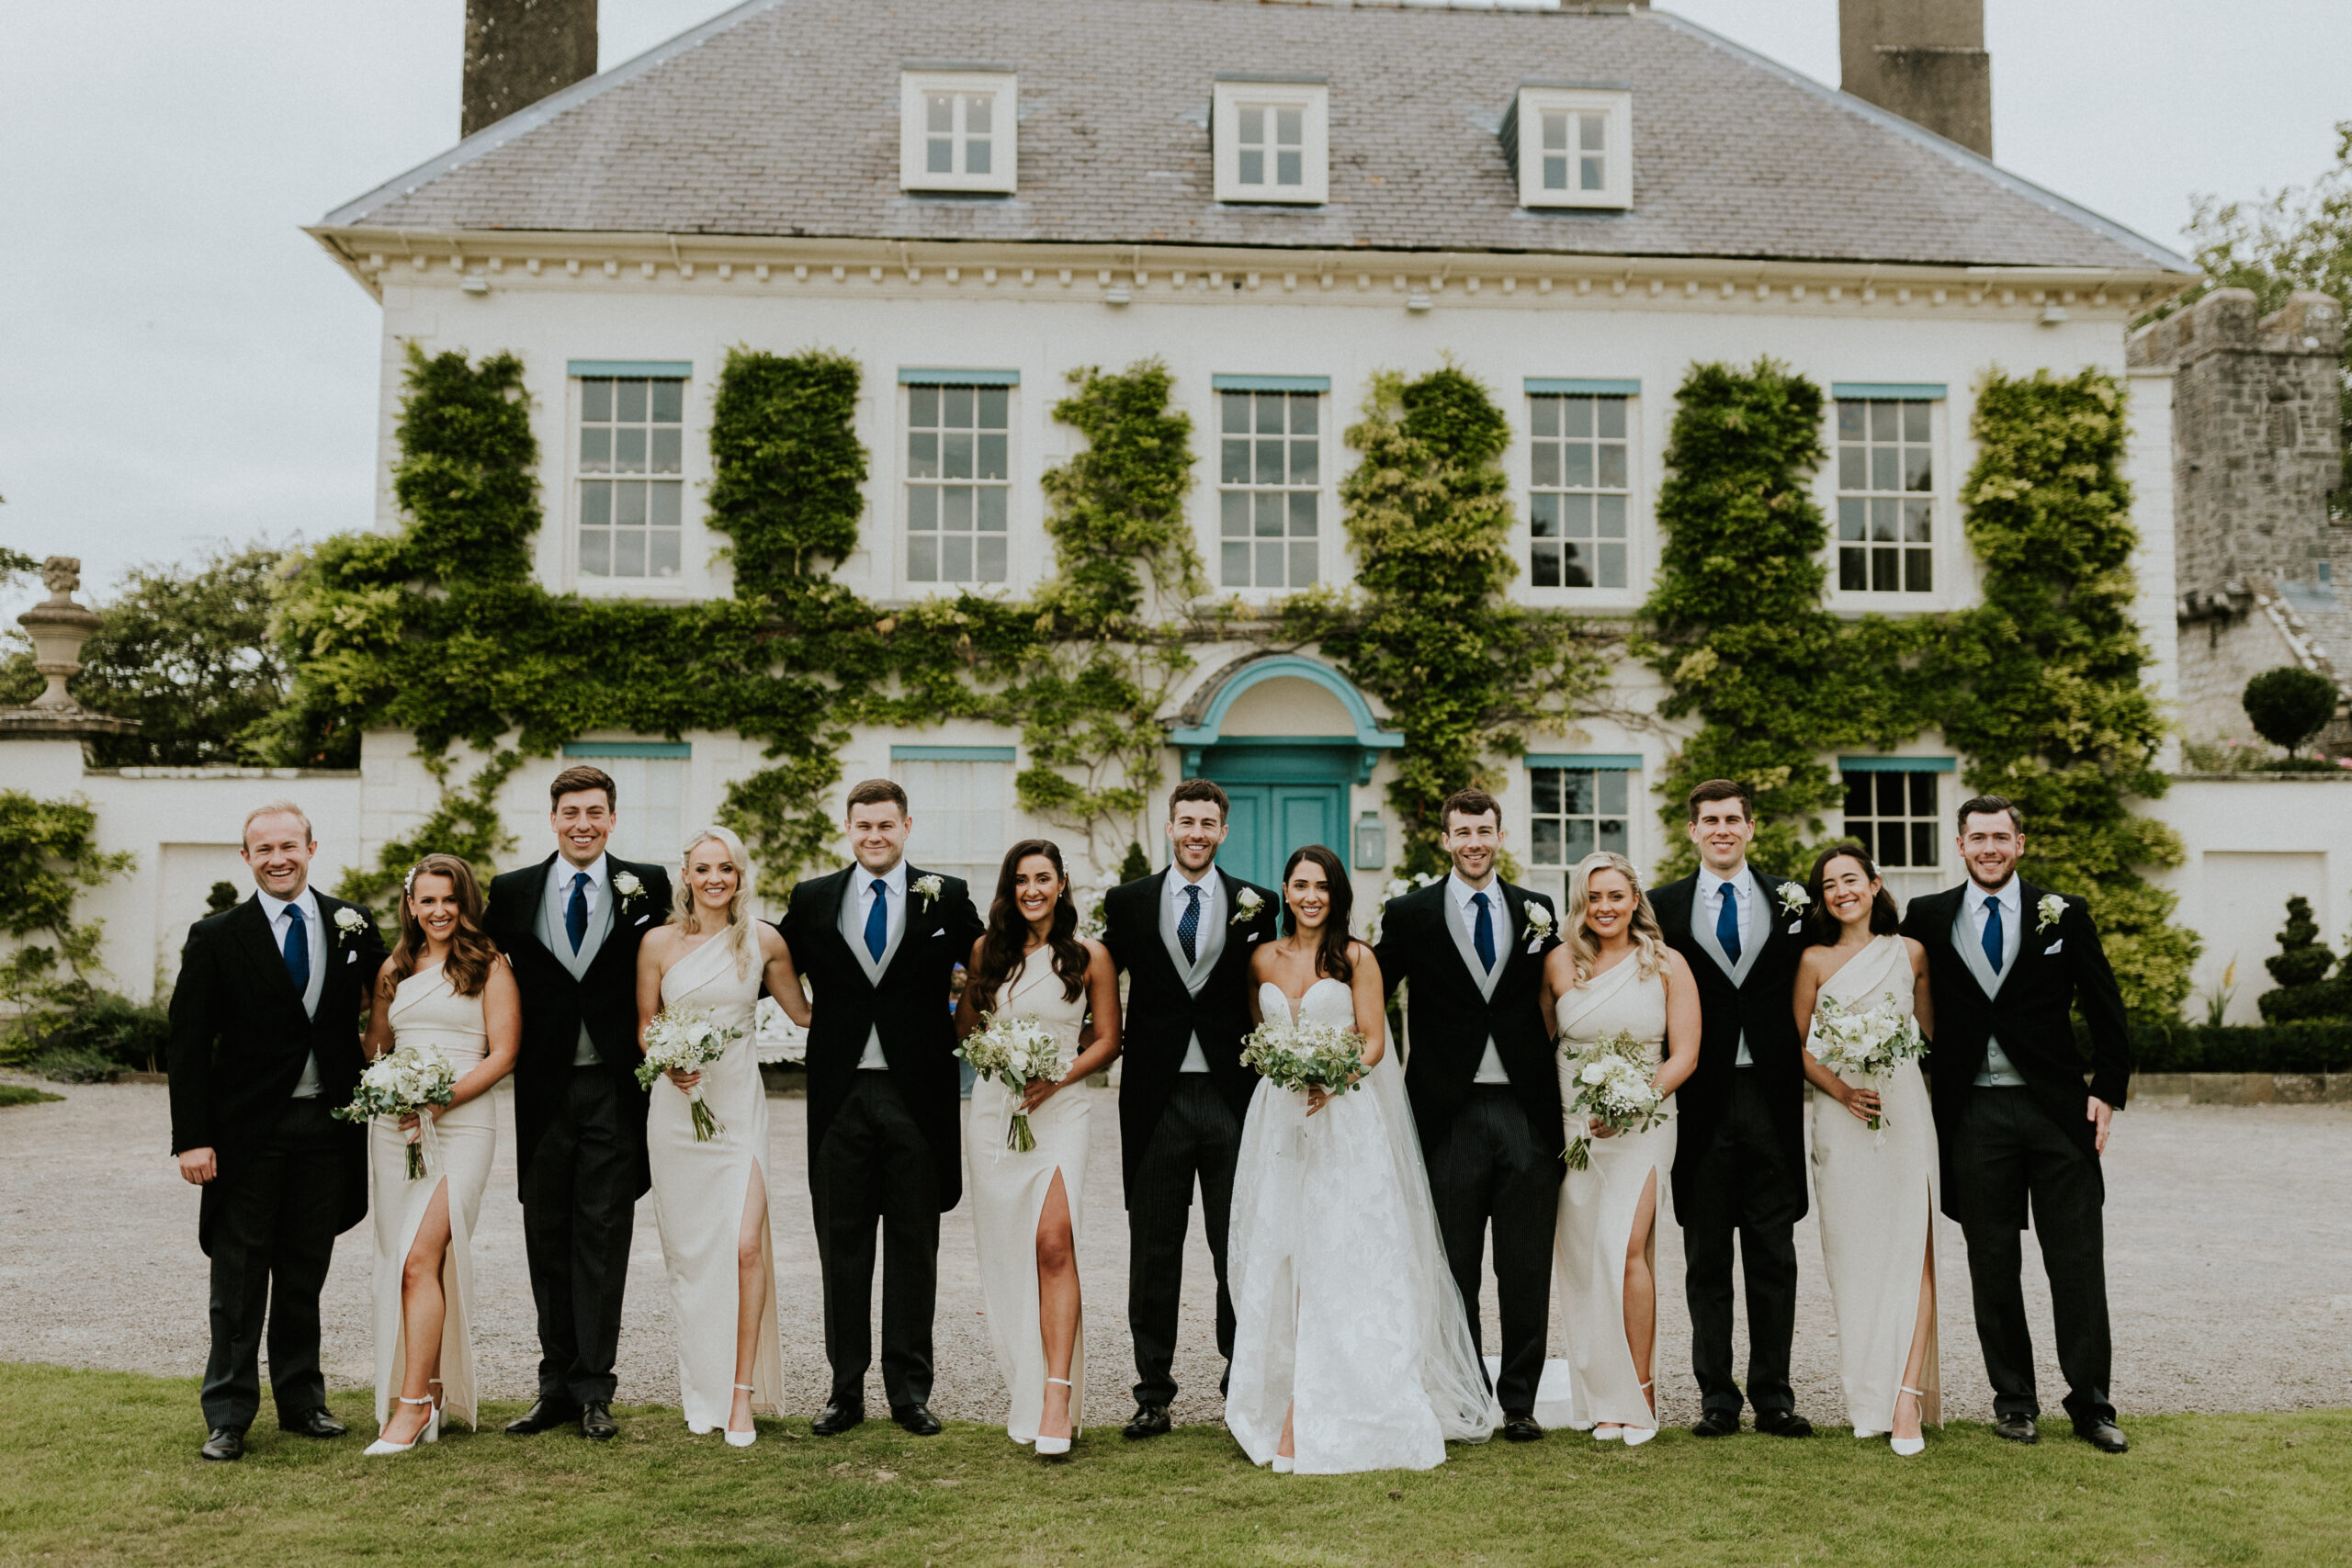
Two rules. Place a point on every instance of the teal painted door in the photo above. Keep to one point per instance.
(1271, 820)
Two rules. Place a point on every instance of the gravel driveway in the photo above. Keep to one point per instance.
(2229, 1266)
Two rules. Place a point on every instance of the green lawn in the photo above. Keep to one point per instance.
(25, 1094)
(101, 1467)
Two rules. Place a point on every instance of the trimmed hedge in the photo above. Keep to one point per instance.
(2165, 1047)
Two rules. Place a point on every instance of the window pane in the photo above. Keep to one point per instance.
(595, 451)
(661, 553)
(1253, 166)
(1253, 124)
(668, 401)
(1302, 455)
(1235, 567)
(1302, 413)
(1612, 566)
(1543, 566)
(1574, 568)
(1885, 572)
(1591, 131)
(1612, 791)
(1234, 469)
(1290, 168)
(922, 507)
(976, 155)
(955, 558)
(923, 559)
(923, 405)
(1858, 795)
(955, 509)
(1548, 840)
(1575, 516)
(990, 499)
(988, 566)
(1290, 127)
(1892, 842)
(1556, 128)
(1302, 514)
(1576, 791)
(991, 458)
(1614, 837)
(923, 455)
(1915, 475)
(978, 110)
(1915, 422)
(1577, 832)
(955, 454)
(596, 505)
(956, 407)
(666, 455)
(664, 505)
(1853, 468)
(1594, 177)
(1850, 416)
(1883, 522)
(596, 553)
(1556, 173)
(1918, 570)
(1923, 794)
(628, 401)
(1237, 412)
(1853, 517)
(1610, 412)
(1884, 419)
(1269, 463)
(1234, 514)
(628, 552)
(1576, 465)
(628, 506)
(1610, 516)
(596, 398)
(1546, 790)
(939, 110)
(1543, 515)
(1302, 564)
(1267, 507)
(1544, 416)
(1578, 413)
(1544, 463)
(1923, 843)
(939, 156)
(1612, 465)
(629, 450)
(1269, 566)
(1915, 521)
(989, 407)
(1884, 471)
(1269, 413)
(1853, 571)
(1889, 788)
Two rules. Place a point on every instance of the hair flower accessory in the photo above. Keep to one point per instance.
(2051, 908)
(1794, 900)
(1245, 907)
(929, 888)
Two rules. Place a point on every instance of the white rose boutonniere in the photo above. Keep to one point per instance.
(2053, 908)
(1539, 920)
(1246, 908)
(350, 921)
(1794, 899)
(625, 884)
(930, 889)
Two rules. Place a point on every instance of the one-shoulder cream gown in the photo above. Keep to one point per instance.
(1878, 1207)
(427, 1013)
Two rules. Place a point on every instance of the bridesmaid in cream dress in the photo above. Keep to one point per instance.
(1614, 973)
(1026, 1208)
(711, 1199)
(445, 989)
(1878, 1190)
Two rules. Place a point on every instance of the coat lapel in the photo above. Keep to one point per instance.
(919, 909)
(528, 929)
(252, 934)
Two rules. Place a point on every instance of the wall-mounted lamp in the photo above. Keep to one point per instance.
(1372, 842)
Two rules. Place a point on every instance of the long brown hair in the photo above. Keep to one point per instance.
(1332, 947)
(471, 953)
(1007, 938)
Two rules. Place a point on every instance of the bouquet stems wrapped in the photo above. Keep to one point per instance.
(1014, 1051)
(1614, 1084)
(406, 1082)
(1304, 1055)
(686, 1040)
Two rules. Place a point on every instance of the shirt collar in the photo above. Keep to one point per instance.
(1708, 882)
(599, 873)
(1177, 879)
(2008, 897)
(276, 907)
(1463, 892)
(895, 879)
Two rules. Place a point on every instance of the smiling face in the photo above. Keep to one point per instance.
(1307, 891)
(877, 835)
(1722, 830)
(433, 904)
(1036, 888)
(1608, 905)
(1990, 845)
(714, 876)
(1195, 828)
(1472, 842)
(582, 820)
(1848, 892)
(278, 848)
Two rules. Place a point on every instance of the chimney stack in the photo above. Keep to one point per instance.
(517, 51)
(1924, 59)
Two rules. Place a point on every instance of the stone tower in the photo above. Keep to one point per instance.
(1924, 59)
(517, 51)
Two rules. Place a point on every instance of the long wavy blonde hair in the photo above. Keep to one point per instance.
(1649, 937)
(685, 914)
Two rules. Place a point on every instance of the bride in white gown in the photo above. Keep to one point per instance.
(1351, 1350)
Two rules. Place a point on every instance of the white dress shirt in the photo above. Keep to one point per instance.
(894, 893)
(558, 895)
(1745, 896)
(1490, 1066)
(1998, 1071)
(307, 1087)
(1212, 888)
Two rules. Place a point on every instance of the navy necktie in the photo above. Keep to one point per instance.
(1727, 923)
(298, 949)
(1188, 924)
(877, 921)
(1482, 935)
(575, 914)
(1993, 934)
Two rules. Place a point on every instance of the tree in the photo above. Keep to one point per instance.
(186, 651)
(2300, 968)
(2289, 704)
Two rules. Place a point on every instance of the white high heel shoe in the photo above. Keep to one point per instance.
(433, 1427)
(1637, 1435)
(1284, 1464)
(736, 1439)
(1910, 1447)
(432, 1433)
(1049, 1447)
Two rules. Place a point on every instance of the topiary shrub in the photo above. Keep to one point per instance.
(2300, 968)
(2289, 704)
(1136, 866)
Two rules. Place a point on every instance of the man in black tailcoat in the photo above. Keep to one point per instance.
(2008, 963)
(571, 926)
(1484, 1086)
(1739, 1152)
(878, 942)
(1184, 937)
(265, 1046)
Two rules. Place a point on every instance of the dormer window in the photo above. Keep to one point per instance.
(956, 128)
(1270, 136)
(1572, 144)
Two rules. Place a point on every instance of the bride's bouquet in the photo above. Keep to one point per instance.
(1012, 1051)
(1613, 1079)
(686, 1040)
(1867, 1042)
(403, 1083)
(1304, 1053)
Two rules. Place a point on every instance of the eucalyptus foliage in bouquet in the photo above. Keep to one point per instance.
(686, 1040)
(403, 1083)
(1012, 1051)
(1614, 1084)
(1866, 1042)
(1303, 1055)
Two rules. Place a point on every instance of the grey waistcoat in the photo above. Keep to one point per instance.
(1208, 944)
(1702, 931)
(1998, 1071)
(552, 936)
(852, 931)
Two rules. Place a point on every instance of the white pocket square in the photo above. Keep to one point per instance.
(1534, 945)
(352, 957)
(941, 932)
(1255, 935)
(642, 919)
(1796, 928)
(2053, 947)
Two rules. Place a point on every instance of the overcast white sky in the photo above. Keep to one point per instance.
(179, 364)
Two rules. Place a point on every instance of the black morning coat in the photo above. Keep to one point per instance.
(1162, 1014)
(2060, 966)
(1448, 1022)
(909, 1009)
(240, 1037)
(1765, 1009)
(555, 1005)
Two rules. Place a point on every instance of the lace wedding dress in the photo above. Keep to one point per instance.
(1343, 1301)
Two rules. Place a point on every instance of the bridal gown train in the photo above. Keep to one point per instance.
(698, 1193)
(1597, 1204)
(1342, 1296)
(1878, 1198)
(426, 1013)
(1009, 1191)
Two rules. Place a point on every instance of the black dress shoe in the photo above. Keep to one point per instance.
(543, 1417)
(1522, 1428)
(2017, 1428)
(1717, 1424)
(1783, 1424)
(836, 1418)
(2105, 1435)
(313, 1423)
(596, 1423)
(916, 1418)
(224, 1444)
(1151, 1421)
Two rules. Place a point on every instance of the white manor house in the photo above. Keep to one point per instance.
(974, 197)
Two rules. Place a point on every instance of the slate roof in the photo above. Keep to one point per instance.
(780, 118)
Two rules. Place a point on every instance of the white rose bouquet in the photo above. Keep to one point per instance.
(1012, 1051)
(406, 1082)
(686, 1040)
(1865, 1042)
(1614, 1084)
(1305, 1054)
